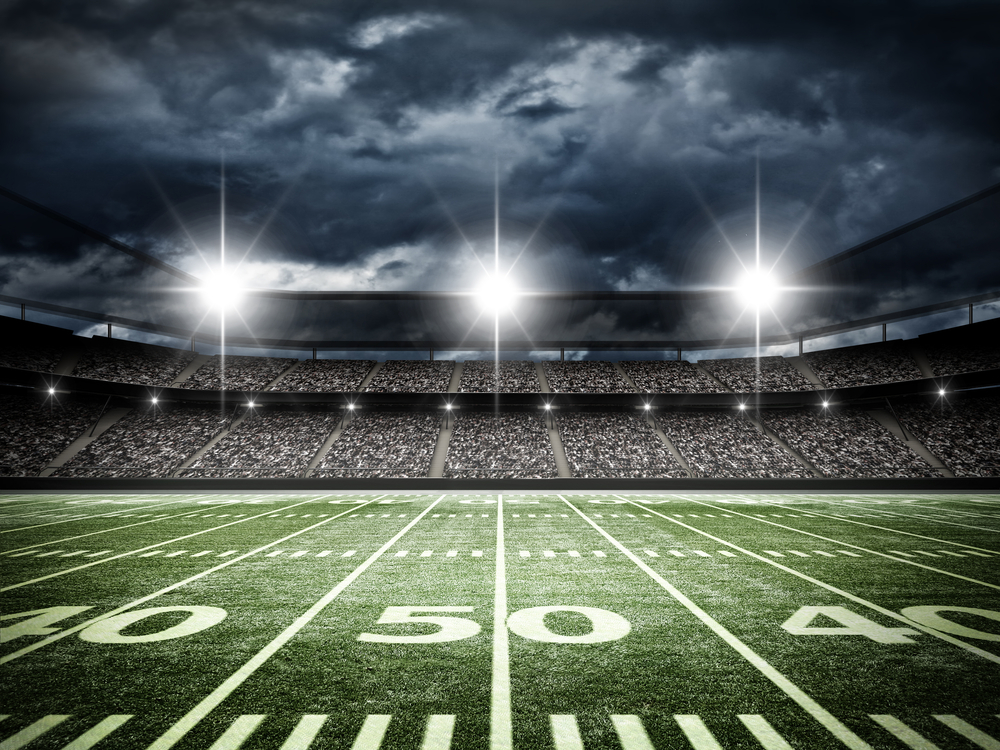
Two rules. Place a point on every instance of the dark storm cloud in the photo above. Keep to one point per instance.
(360, 141)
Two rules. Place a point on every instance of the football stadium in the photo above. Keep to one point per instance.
(495, 454)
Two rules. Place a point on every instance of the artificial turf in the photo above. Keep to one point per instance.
(266, 597)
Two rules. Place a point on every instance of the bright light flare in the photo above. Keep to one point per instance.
(757, 289)
(221, 290)
(496, 295)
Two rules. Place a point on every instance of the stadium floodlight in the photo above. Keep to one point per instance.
(757, 289)
(221, 290)
(496, 295)
(52, 391)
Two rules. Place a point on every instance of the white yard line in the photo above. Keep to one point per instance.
(501, 723)
(87, 517)
(173, 735)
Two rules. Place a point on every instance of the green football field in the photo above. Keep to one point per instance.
(429, 621)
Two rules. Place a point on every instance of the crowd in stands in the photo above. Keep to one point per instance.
(383, 444)
(614, 444)
(326, 376)
(723, 444)
(948, 360)
(584, 377)
(670, 376)
(36, 431)
(132, 363)
(868, 364)
(846, 442)
(964, 435)
(743, 376)
(488, 445)
(24, 356)
(152, 442)
(480, 376)
(266, 443)
(412, 376)
(239, 373)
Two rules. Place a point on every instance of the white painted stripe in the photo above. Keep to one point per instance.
(793, 691)
(350, 553)
(573, 553)
(325, 553)
(971, 733)
(548, 553)
(372, 732)
(74, 554)
(501, 722)
(238, 732)
(269, 554)
(154, 552)
(202, 554)
(426, 553)
(402, 553)
(799, 554)
(676, 553)
(650, 553)
(437, 736)
(22, 554)
(598, 553)
(451, 553)
(849, 554)
(97, 733)
(524, 553)
(631, 732)
(175, 733)
(977, 554)
(477, 553)
(300, 553)
(30, 733)
(821, 552)
(700, 553)
(773, 553)
(305, 732)
(946, 552)
(903, 733)
(726, 553)
(766, 735)
(227, 554)
(177, 553)
(696, 732)
(53, 552)
(565, 732)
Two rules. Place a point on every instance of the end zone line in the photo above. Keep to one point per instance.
(789, 688)
(151, 546)
(829, 587)
(845, 544)
(171, 587)
(175, 733)
(501, 726)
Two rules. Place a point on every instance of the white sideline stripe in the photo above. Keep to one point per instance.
(631, 732)
(766, 735)
(32, 732)
(305, 732)
(77, 628)
(501, 721)
(903, 733)
(565, 732)
(238, 732)
(846, 544)
(372, 732)
(437, 736)
(696, 732)
(971, 733)
(136, 551)
(793, 691)
(98, 732)
(847, 595)
(199, 712)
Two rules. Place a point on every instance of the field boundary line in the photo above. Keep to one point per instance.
(152, 546)
(501, 723)
(902, 515)
(789, 688)
(171, 587)
(86, 517)
(833, 589)
(187, 722)
(103, 531)
(847, 544)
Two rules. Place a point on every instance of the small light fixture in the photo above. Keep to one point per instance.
(155, 400)
(646, 407)
(548, 407)
(350, 407)
(826, 404)
(742, 407)
(52, 391)
(941, 392)
(448, 407)
(250, 404)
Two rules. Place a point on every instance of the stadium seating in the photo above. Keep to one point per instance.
(480, 376)
(412, 376)
(507, 445)
(614, 444)
(868, 364)
(241, 373)
(130, 362)
(963, 435)
(383, 444)
(326, 376)
(670, 376)
(584, 377)
(745, 375)
(36, 430)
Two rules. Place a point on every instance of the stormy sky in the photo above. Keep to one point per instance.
(365, 142)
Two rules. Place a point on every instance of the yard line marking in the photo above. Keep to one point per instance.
(325, 552)
(773, 553)
(238, 732)
(227, 554)
(154, 552)
(565, 732)
(631, 732)
(798, 554)
(726, 553)
(350, 552)
(501, 721)
(202, 553)
(118, 610)
(451, 553)
(32, 732)
(793, 691)
(98, 732)
(300, 553)
(650, 553)
(175, 733)
(840, 592)
(766, 735)
(598, 553)
(109, 514)
(136, 551)
(845, 544)
(477, 553)
(696, 732)
(177, 553)
(971, 733)
(902, 554)
(437, 736)
(305, 732)
(902, 732)
(372, 732)
(74, 554)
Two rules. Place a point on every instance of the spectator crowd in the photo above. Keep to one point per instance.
(614, 444)
(326, 376)
(743, 375)
(584, 377)
(130, 362)
(507, 445)
(412, 376)
(949, 360)
(868, 364)
(237, 372)
(515, 376)
(35, 431)
(670, 376)
(963, 435)
(383, 444)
